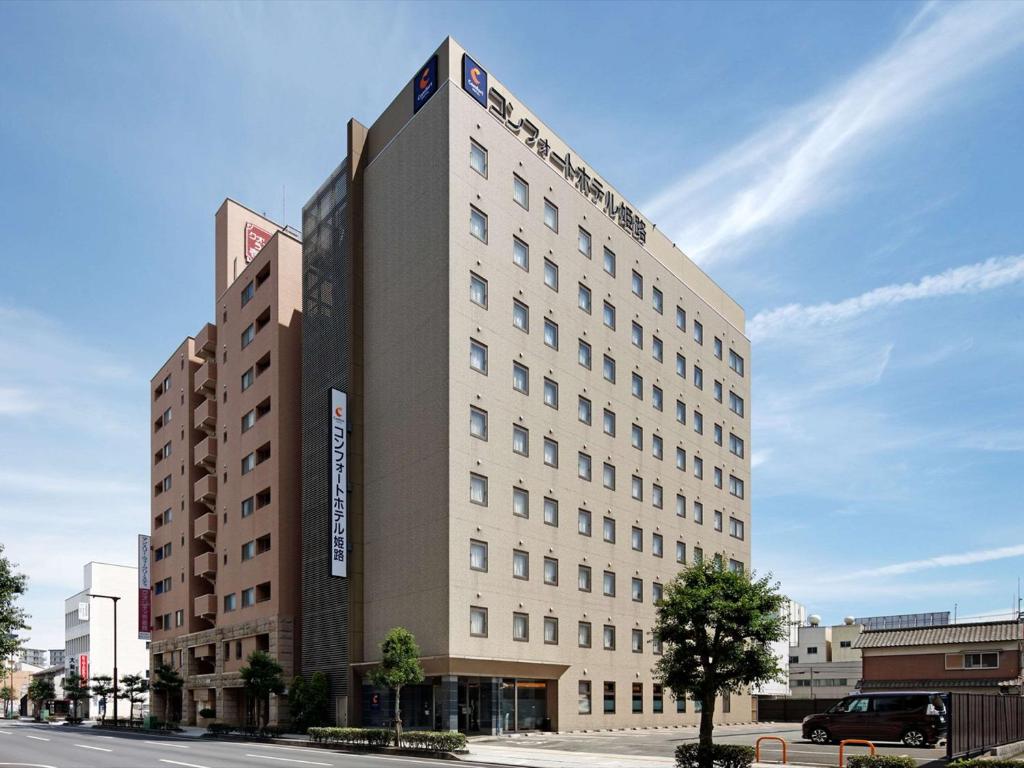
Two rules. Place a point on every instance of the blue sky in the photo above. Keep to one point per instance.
(848, 171)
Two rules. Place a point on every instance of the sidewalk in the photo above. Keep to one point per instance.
(551, 758)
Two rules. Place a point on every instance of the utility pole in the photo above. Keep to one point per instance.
(115, 599)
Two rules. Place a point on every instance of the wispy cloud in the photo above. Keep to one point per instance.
(786, 169)
(971, 278)
(943, 561)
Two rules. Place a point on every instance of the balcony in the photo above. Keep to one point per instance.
(206, 490)
(206, 341)
(206, 606)
(206, 452)
(206, 377)
(206, 527)
(205, 565)
(206, 416)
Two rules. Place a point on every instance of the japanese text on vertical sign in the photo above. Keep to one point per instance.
(339, 483)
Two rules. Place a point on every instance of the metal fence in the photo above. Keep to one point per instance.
(788, 710)
(979, 722)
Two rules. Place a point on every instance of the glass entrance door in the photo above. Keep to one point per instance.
(469, 705)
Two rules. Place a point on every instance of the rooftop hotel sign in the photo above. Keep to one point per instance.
(587, 184)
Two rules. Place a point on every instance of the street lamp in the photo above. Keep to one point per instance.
(115, 599)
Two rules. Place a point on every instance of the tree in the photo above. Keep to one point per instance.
(399, 666)
(168, 683)
(76, 689)
(717, 627)
(102, 688)
(262, 677)
(135, 688)
(40, 691)
(308, 702)
(12, 618)
(7, 694)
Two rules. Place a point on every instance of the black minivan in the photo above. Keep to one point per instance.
(918, 719)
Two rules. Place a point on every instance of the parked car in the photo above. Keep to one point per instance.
(918, 719)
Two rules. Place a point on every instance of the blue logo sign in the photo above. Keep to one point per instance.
(474, 79)
(424, 84)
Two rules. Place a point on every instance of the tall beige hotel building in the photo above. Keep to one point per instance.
(481, 397)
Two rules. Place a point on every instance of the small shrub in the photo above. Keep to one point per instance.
(207, 713)
(438, 741)
(219, 729)
(722, 755)
(881, 761)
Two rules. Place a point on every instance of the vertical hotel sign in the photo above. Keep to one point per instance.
(145, 593)
(255, 239)
(424, 84)
(339, 483)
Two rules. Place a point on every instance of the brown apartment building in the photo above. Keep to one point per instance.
(523, 410)
(225, 510)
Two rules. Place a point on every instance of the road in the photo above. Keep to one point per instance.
(29, 745)
(661, 742)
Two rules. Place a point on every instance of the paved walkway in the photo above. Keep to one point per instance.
(551, 758)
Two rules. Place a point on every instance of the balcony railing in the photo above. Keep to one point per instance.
(206, 416)
(206, 341)
(206, 527)
(206, 490)
(206, 606)
(206, 452)
(206, 377)
(206, 565)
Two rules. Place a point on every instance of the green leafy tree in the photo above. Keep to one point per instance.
(318, 700)
(7, 694)
(103, 689)
(76, 690)
(12, 618)
(168, 683)
(399, 666)
(40, 691)
(262, 677)
(717, 627)
(135, 688)
(308, 701)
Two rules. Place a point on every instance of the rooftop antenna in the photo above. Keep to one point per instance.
(954, 612)
(283, 221)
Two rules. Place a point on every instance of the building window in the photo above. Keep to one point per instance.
(478, 422)
(583, 578)
(478, 489)
(520, 502)
(551, 274)
(680, 411)
(736, 404)
(550, 215)
(477, 621)
(248, 335)
(680, 552)
(248, 292)
(478, 158)
(609, 262)
(657, 545)
(584, 242)
(609, 369)
(735, 566)
(736, 362)
(520, 254)
(584, 698)
(736, 486)
(230, 602)
(637, 641)
(247, 379)
(657, 592)
(583, 466)
(636, 437)
(520, 378)
(718, 520)
(657, 398)
(521, 192)
(812, 650)
(637, 488)
(608, 476)
(609, 637)
(680, 366)
(520, 565)
(584, 634)
(550, 452)
(680, 505)
(520, 316)
(609, 422)
(550, 630)
(698, 332)
(657, 349)
(717, 389)
(477, 555)
(248, 420)
(698, 377)
(637, 385)
(698, 513)
(248, 463)
(638, 698)
(735, 445)
(845, 644)
(736, 528)
(521, 627)
(608, 530)
(477, 356)
(583, 522)
(609, 698)
(584, 298)
(718, 347)
(681, 459)
(584, 354)
(585, 410)
(249, 550)
(478, 224)
(637, 590)
(717, 475)
(698, 422)
(550, 511)
(718, 434)
(247, 506)
(608, 584)
(637, 335)
(658, 300)
(551, 393)
(608, 316)
(477, 290)
(551, 333)
(248, 597)
(551, 571)
(520, 440)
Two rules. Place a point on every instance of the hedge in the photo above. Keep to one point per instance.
(881, 761)
(976, 763)
(442, 741)
(722, 755)
(222, 729)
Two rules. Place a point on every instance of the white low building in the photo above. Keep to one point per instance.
(89, 630)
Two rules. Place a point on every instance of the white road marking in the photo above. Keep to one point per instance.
(167, 744)
(37, 738)
(187, 765)
(289, 760)
(30, 765)
(98, 749)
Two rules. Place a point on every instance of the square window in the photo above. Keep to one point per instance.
(550, 393)
(550, 452)
(520, 316)
(550, 215)
(478, 489)
(477, 555)
(551, 274)
(520, 440)
(477, 621)
(584, 243)
(520, 378)
(478, 224)
(520, 502)
(551, 333)
(550, 512)
(584, 298)
(477, 290)
(477, 356)
(478, 158)
(478, 422)
(521, 192)
(520, 254)
(584, 354)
